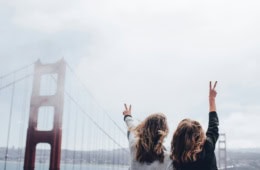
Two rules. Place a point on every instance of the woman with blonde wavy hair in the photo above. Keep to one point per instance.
(146, 141)
(191, 149)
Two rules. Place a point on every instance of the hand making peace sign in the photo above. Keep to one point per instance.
(127, 110)
(212, 95)
(212, 91)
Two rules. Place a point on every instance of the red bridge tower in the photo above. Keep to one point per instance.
(53, 136)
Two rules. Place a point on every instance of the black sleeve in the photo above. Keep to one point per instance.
(127, 116)
(212, 132)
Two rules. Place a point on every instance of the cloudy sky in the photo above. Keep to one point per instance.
(156, 55)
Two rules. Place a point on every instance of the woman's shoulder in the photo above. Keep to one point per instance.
(208, 150)
(209, 145)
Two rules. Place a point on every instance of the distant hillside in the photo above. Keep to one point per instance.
(119, 156)
(243, 159)
(240, 159)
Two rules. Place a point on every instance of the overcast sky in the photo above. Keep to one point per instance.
(156, 55)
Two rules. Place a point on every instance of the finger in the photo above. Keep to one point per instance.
(209, 85)
(215, 85)
(130, 107)
(125, 107)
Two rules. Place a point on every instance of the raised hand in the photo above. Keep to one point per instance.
(212, 91)
(127, 110)
(212, 96)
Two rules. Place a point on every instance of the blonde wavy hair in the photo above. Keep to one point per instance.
(150, 135)
(187, 142)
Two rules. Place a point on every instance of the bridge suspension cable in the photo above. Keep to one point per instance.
(90, 118)
(9, 124)
(15, 71)
(93, 121)
(15, 81)
(97, 140)
(22, 128)
(105, 112)
(13, 85)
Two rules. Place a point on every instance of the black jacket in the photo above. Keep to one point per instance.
(207, 158)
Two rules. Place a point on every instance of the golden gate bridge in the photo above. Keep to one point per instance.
(52, 120)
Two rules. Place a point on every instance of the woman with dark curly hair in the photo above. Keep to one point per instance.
(146, 141)
(191, 149)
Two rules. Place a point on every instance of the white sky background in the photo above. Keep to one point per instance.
(157, 55)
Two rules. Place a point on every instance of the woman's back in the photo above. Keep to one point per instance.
(155, 165)
(136, 165)
(206, 161)
(145, 142)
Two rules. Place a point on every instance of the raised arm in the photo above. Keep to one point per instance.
(130, 125)
(212, 132)
(128, 119)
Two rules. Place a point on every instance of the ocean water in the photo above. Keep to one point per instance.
(41, 166)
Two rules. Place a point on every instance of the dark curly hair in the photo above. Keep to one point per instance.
(187, 142)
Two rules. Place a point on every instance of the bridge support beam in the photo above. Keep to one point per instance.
(53, 136)
(222, 151)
